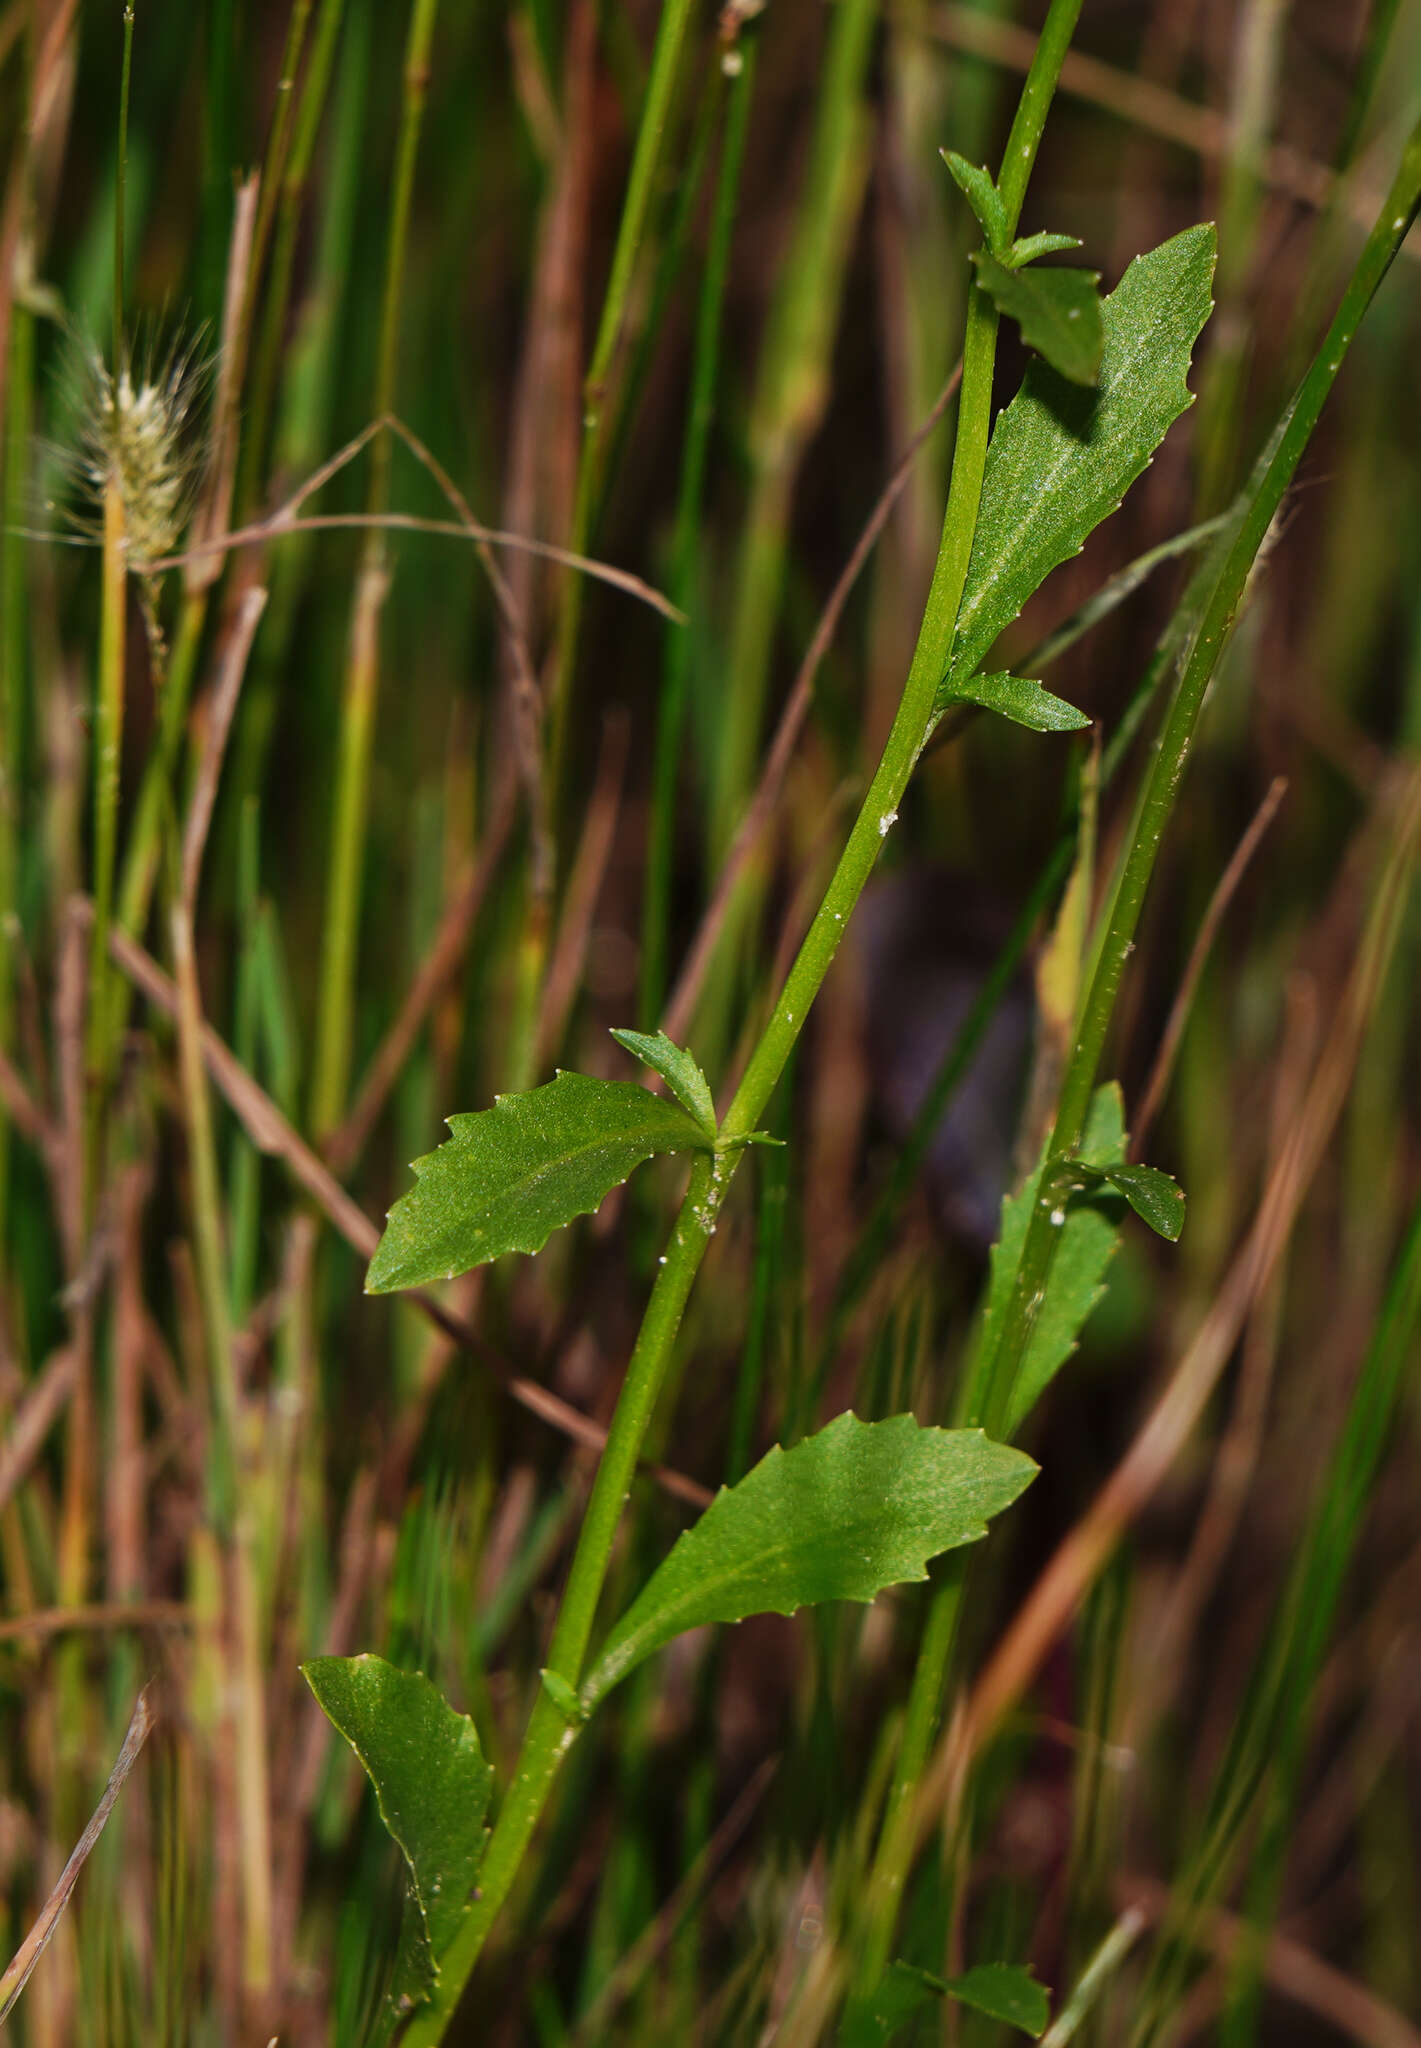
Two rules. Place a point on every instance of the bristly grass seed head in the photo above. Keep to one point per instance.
(137, 432)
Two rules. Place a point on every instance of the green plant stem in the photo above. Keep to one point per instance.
(549, 1736)
(121, 189)
(598, 420)
(294, 173)
(993, 1388)
(1265, 494)
(140, 861)
(680, 644)
(108, 744)
(334, 1026)
(660, 85)
(18, 406)
(786, 410)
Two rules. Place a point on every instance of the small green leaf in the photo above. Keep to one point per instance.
(1031, 246)
(1154, 1197)
(1061, 458)
(981, 194)
(432, 1789)
(1003, 1991)
(512, 1175)
(1058, 312)
(677, 1069)
(858, 1507)
(1089, 1236)
(1021, 700)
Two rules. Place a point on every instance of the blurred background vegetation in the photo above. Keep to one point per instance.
(473, 810)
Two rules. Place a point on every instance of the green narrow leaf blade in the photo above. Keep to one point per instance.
(979, 190)
(1058, 312)
(1089, 1236)
(512, 1175)
(677, 1069)
(1061, 457)
(432, 1789)
(1020, 699)
(858, 1507)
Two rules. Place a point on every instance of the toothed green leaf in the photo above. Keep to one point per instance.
(860, 1506)
(512, 1175)
(677, 1069)
(1021, 700)
(1058, 312)
(1062, 457)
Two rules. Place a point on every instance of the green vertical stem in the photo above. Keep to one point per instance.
(1274, 473)
(1221, 403)
(294, 178)
(549, 1736)
(791, 387)
(1308, 1611)
(120, 196)
(108, 745)
(140, 861)
(18, 398)
(334, 1024)
(651, 129)
(680, 642)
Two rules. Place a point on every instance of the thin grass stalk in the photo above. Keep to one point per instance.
(335, 1014)
(266, 362)
(17, 410)
(599, 417)
(549, 1736)
(1311, 1605)
(108, 747)
(790, 395)
(786, 409)
(155, 794)
(1269, 1734)
(229, 1507)
(121, 185)
(680, 641)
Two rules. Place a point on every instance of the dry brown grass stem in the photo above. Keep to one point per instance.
(202, 572)
(584, 886)
(1224, 892)
(27, 1428)
(222, 709)
(42, 1933)
(436, 971)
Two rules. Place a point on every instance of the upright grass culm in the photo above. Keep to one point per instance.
(335, 1015)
